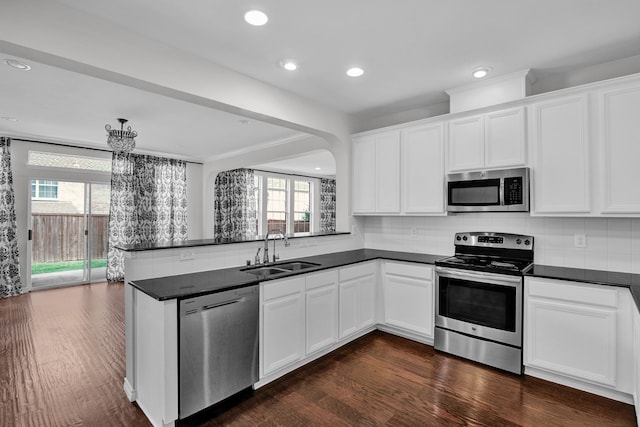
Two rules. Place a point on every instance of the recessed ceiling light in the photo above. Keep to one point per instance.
(289, 65)
(318, 168)
(480, 72)
(10, 119)
(355, 72)
(255, 17)
(17, 64)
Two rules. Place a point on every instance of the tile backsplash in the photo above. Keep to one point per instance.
(611, 243)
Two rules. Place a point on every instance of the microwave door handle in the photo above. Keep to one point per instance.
(501, 192)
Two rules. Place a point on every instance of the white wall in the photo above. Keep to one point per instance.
(612, 243)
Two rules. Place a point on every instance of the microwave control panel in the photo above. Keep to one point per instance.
(513, 191)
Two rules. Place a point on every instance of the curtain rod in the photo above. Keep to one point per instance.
(290, 174)
(77, 146)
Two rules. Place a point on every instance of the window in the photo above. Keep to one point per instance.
(44, 189)
(59, 160)
(286, 202)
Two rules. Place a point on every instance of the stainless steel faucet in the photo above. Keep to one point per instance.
(265, 257)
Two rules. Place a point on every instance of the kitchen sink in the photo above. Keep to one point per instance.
(286, 267)
(297, 265)
(266, 271)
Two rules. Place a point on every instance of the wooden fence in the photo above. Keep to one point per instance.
(60, 237)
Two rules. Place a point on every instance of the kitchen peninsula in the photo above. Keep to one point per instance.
(151, 304)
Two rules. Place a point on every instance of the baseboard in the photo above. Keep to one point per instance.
(580, 385)
(413, 336)
(290, 368)
(129, 391)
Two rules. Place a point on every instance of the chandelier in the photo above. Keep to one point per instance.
(121, 140)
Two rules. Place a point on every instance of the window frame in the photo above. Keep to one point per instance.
(314, 201)
(39, 184)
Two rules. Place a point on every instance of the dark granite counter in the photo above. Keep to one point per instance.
(201, 283)
(210, 242)
(598, 277)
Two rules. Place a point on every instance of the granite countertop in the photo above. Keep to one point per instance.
(598, 277)
(209, 242)
(205, 282)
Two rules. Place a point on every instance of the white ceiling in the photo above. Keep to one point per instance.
(411, 51)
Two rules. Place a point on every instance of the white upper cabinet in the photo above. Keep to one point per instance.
(387, 167)
(560, 156)
(376, 173)
(619, 149)
(423, 169)
(505, 138)
(488, 141)
(364, 175)
(466, 143)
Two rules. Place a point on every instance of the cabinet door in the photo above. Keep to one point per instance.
(505, 138)
(561, 160)
(357, 298)
(283, 320)
(364, 175)
(466, 143)
(408, 297)
(571, 329)
(620, 149)
(321, 311)
(423, 169)
(572, 339)
(348, 307)
(387, 173)
(366, 307)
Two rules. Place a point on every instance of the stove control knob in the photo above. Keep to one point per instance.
(465, 238)
(458, 238)
(518, 241)
(527, 242)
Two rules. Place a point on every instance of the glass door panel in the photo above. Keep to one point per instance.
(59, 221)
(98, 231)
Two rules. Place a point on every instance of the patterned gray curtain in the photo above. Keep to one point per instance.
(148, 205)
(327, 205)
(235, 205)
(10, 283)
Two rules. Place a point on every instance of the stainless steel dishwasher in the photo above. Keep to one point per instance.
(218, 347)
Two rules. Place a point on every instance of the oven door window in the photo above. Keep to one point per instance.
(484, 192)
(478, 303)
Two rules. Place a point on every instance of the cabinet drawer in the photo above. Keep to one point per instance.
(280, 288)
(570, 291)
(424, 272)
(359, 270)
(324, 278)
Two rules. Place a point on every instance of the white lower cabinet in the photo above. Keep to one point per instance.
(322, 310)
(579, 332)
(636, 359)
(408, 291)
(282, 337)
(357, 298)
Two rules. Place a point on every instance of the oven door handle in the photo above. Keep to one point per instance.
(479, 276)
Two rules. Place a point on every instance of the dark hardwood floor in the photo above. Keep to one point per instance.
(62, 364)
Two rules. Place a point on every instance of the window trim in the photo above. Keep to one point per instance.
(39, 184)
(314, 208)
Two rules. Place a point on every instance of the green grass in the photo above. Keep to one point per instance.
(54, 267)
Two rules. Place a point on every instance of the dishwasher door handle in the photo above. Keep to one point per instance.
(221, 304)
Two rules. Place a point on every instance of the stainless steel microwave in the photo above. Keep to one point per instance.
(505, 190)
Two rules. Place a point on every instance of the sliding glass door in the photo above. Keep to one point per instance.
(68, 232)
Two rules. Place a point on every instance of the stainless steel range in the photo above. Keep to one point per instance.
(479, 298)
